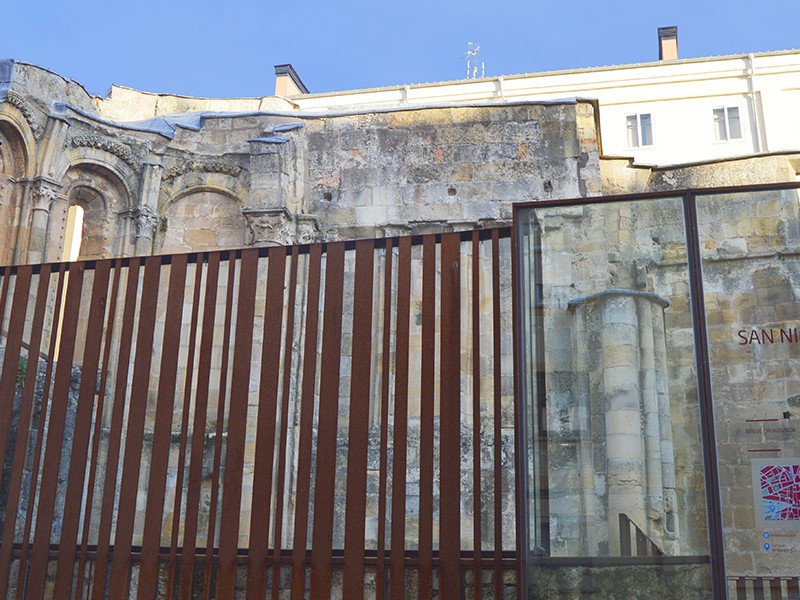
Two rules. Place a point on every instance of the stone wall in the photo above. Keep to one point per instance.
(212, 179)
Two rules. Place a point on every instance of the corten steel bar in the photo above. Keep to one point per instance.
(450, 419)
(520, 432)
(543, 446)
(286, 365)
(328, 416)
(199, 425)
(185, 411)
(625, 548)
(425, 589)
(793, 587)
(37, 453)
(115, 434)
(775, 589)
(132, 459)
(741, 589)
(710, 464)
(302, 492)
(25, 425)
(260, 514)
(358, 426)
(13, 348)
(7, 275)
(380, 569)
(498, 432)
(223, 387)
(758, 589)
(476, 415)
(162, 429)
(55, 434)
(400, 433)
(237, 425)
(83, 425)
(98, 421)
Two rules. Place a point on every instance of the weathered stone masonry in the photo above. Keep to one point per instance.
(205, 180)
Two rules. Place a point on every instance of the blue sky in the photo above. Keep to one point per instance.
(229, 48)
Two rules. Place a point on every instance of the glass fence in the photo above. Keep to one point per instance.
(659, 363)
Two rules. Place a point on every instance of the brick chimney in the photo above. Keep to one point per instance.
(288, 82)
(667, 43)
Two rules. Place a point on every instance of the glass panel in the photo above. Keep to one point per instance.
(616, 495)
(720, 130)
(733, 123)
(647, 130)
(751, 273)
(633, 132)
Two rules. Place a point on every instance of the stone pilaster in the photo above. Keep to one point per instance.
(146, 214)
(52, 147)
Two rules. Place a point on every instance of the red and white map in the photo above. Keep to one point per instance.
(780, 492)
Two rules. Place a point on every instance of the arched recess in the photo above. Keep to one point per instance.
(14, 167)
(105, 201)
(202, 218)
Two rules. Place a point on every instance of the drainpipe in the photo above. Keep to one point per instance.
(751, 73)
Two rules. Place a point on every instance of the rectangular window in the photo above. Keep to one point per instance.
(640, 130)
(727, 125)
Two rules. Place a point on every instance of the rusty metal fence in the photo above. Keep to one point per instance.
(324, 420)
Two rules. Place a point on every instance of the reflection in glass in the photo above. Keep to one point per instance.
(614, 455)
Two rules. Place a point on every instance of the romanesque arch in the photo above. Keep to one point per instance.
(14, 166)
(201, 218)
(105, 201)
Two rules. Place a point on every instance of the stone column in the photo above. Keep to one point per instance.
(622, 390)
(10, 228)
(587, 447)
(652, 427)
(41, 201)
(623, 397)
(671, 529)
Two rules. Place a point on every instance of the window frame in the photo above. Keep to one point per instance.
(727, 123)
(639, 138)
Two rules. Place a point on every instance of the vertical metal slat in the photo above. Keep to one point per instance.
(400, 434)
(328, 417)
(260, 515)
(302, 492)
(162, 429)
(237, 425)
(358, 426)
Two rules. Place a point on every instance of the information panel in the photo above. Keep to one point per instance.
(751, 276)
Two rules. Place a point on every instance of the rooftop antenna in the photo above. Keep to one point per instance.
(472, 61)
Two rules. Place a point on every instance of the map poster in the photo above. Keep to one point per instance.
(776, 487)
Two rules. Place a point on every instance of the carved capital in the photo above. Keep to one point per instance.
(307, 229)
(268, 227)
(146, 221)
(43, 197)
